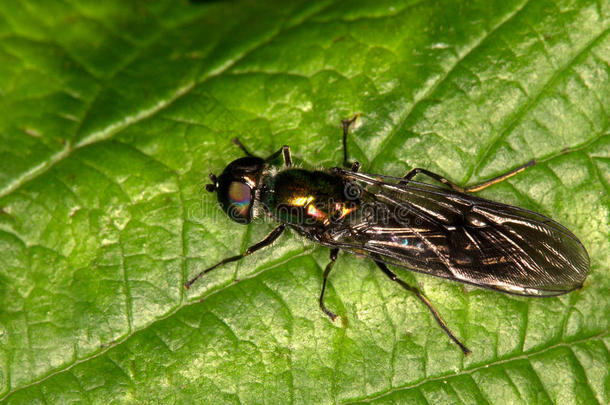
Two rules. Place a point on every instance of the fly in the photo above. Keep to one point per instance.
(442, 231)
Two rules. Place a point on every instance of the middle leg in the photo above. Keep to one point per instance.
(329, 267)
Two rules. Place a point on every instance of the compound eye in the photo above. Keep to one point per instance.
(240, 199)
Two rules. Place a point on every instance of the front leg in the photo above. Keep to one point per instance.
(346, 124)
(269, 239)
(285, 152)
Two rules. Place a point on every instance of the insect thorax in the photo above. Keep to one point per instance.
(306, 198)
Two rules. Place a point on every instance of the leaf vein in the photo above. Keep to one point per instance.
(527, 107)
(432, 88)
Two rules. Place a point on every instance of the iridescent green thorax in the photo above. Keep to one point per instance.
(301, 197)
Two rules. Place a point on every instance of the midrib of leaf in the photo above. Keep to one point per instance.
(94, 137)
(114, 128)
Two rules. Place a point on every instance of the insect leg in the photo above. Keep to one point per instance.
(470, 189)
(502, 177)
(329, 266)
(346, 125)
(425, 300)
(241, 146)
(285, 152)
(269, 239)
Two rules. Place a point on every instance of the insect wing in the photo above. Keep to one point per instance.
(458, 236)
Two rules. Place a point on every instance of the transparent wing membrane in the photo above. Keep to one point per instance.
(458, 236)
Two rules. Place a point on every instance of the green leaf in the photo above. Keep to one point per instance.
(113, 114)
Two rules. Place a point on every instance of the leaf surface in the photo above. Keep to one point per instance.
(114, 113)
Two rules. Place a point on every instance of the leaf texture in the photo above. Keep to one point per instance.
(114, 113)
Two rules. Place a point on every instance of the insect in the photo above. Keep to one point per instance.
(442, 231)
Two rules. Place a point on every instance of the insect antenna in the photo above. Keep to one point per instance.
(214, 185)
